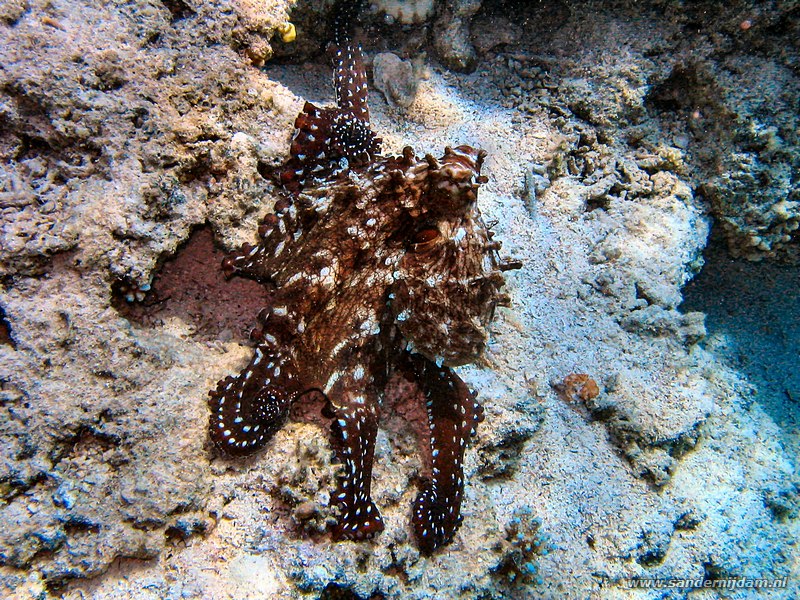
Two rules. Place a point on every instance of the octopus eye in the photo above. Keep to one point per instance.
(425, 239)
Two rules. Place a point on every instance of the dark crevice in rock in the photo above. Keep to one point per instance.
(688, 521)
(190, 287)
(75, 525)
(784, 504)
(5, 330)
(84, 438)
(69, 154)
(185, 528)
(334, 591)
(13, 486)
(179, 9)
(688, 86)
(500, 461)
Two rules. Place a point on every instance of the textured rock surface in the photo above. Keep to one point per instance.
(395, 77)
(720, 83)
(451, 34)
(126, 126)
(405, 11)
(112, 151)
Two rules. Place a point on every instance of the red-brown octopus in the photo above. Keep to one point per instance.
(377, 265)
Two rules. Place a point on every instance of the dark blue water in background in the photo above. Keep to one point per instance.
(753, 323)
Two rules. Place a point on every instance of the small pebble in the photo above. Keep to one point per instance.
(681, 141)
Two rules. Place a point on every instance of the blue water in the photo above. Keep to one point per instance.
(753, 322)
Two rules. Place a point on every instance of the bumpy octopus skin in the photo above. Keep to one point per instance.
(376, 265)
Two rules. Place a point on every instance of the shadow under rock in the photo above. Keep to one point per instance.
(753, 324)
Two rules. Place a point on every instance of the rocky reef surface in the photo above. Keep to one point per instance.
(136, 140)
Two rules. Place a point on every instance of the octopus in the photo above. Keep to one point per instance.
(380, 269)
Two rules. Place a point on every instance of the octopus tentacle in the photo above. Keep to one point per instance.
(350, 82)
(453, 416)
(312, 151)
(352, 134)
(345, 15)
(248, 261)
(247, 409)
(323, 137)
(275, 230)
(354, 428)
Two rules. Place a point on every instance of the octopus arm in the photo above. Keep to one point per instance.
(249, 261)
(276, 230)
(247, 409)
(353, 408)
(453, 416)
(350, 82)
(352, 136)
(312, 150)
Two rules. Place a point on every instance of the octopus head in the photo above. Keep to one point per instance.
(448, 284)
